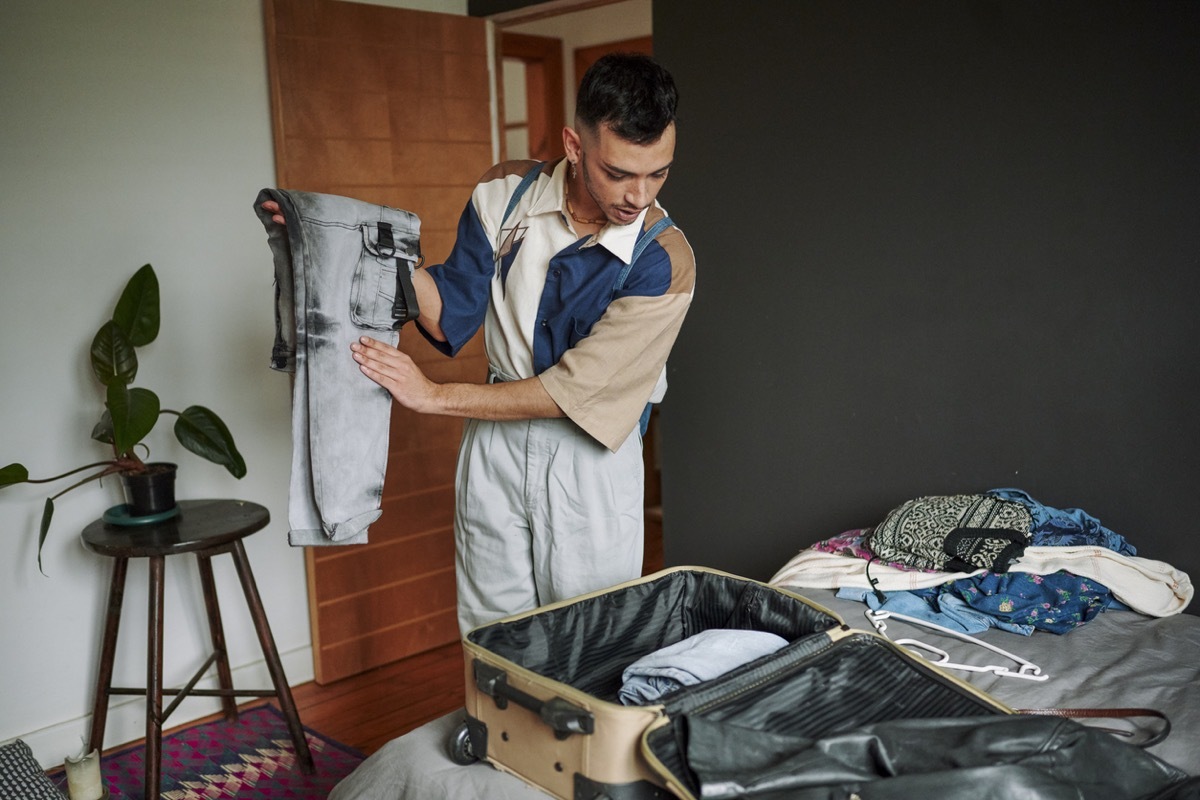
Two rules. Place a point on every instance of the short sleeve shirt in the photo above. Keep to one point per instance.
(549, 301)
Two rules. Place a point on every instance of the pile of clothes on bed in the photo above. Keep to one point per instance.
(994, 559)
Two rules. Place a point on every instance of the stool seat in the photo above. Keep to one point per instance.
(205, 528)
(200, 525)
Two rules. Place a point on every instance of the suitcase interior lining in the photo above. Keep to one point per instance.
(588, 643)
(853, 682)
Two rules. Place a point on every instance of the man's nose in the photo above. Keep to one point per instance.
(638, 195)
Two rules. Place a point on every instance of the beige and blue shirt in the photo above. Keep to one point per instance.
(550, 305)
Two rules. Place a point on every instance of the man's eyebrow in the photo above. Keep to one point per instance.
(618, 171)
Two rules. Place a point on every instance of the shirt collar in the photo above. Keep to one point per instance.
(617, 239)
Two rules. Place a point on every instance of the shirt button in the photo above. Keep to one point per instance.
(557, 272)
(545, 323)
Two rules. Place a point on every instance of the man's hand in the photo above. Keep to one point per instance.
(396, 372)
(272, 208)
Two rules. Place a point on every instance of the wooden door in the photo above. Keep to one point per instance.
(390, 106)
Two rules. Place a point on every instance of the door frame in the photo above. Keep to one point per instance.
(545, 114)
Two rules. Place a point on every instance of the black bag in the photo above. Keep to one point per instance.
(950, 759)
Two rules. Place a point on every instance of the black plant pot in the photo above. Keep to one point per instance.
(152, 491)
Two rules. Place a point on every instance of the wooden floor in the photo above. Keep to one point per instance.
(367, 711)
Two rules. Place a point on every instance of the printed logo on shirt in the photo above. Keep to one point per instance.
(510, 245)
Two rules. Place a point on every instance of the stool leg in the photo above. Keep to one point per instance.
(154, 680)
(108, 649)
(224, 677)
(282, 690)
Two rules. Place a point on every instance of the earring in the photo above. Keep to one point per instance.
(574, 174)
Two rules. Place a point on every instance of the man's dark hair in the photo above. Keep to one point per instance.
(631, 94)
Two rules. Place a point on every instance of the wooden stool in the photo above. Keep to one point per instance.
(206, 528)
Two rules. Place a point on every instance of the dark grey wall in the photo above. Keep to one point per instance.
(942, 247)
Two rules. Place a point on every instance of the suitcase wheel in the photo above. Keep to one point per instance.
(459, 746)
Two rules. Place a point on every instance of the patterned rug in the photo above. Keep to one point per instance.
(253, 758)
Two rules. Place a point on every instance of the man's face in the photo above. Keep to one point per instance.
(622, 177)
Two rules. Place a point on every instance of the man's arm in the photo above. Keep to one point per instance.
(396, 372)
(429, 301)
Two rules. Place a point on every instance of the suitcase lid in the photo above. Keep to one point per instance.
(835, 683)
(657, 577)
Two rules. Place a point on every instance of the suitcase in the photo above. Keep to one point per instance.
(541, 687)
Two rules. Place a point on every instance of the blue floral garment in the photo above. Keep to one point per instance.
(1069, 527)
(1058, 603)
(945, 610)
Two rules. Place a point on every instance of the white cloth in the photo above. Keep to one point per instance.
(1150, 587)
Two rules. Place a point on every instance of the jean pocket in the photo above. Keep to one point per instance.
(373, 289)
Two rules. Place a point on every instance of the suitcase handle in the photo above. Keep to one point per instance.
(564, 718)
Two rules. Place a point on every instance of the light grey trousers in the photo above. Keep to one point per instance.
(335, 280)
(543, 513)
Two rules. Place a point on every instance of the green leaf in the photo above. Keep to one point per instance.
(13, 473)
(203, 432)
(103, 432)
(137, 312)
(46, 515)
(133, 413)
(113, 358)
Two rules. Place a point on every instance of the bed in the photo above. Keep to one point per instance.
(1121, 658)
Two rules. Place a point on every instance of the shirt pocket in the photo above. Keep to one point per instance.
(373, 288)
(578, 330)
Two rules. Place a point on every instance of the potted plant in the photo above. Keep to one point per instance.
(130, 414)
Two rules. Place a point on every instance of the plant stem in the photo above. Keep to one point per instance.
(113, 468)
(71, 472)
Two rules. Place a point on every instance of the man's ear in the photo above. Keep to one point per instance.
(572, 144)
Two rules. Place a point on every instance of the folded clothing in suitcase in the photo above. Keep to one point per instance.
(542, 687)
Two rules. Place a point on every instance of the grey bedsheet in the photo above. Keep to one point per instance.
(1120, 659)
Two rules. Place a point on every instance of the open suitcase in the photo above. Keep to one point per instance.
(542, 686)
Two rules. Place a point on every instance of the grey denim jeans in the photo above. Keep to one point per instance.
(335, 280)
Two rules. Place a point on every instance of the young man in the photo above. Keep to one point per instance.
(550, 478)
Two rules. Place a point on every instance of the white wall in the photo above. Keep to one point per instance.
(133, 132)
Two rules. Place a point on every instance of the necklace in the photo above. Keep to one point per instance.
(571, 211)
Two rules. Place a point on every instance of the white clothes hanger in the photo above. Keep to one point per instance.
(1027, 670)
